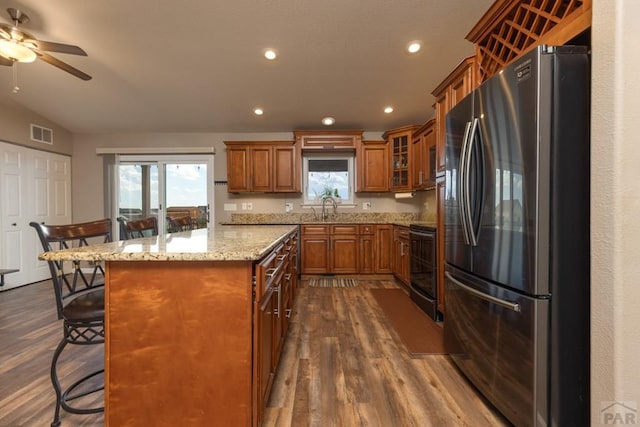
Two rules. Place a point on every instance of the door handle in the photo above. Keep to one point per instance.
(473, 240)
(461, 183)
(513, 306)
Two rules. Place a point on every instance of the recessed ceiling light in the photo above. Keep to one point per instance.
(328, 121)
(414, 46)
(270, 54)
(258, 111)
(388, 110)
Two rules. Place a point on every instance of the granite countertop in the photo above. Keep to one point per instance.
(224, 243)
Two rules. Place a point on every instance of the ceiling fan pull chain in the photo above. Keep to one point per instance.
(16, 88)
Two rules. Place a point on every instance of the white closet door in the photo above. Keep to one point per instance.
(35, 186)
(15, 228)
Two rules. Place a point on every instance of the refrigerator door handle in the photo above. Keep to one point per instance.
(473, 229)
(466, 183)
(513, 306)
(461, 183)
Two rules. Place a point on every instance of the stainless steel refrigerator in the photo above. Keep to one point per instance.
(517, 237)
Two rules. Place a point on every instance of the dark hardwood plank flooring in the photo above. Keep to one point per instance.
(342, 365)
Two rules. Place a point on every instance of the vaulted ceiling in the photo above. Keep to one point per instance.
(198, 66)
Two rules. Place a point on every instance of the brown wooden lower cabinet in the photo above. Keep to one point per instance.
(314, 249)
(401, 257)
(384, 249)
(346, 248)
(367, 249)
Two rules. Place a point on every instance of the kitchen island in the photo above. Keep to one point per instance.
(182, 344)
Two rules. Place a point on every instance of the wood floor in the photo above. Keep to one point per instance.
(342, 365)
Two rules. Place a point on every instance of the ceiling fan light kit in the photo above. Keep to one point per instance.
(15, 51)
(19, 46)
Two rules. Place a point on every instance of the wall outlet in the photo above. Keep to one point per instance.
(249, 206)
(230, 207)
(244, 206)
(366, 206)
(288, 207)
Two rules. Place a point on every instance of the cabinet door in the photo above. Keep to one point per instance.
(265, 348)
(367, 254)
(418, 160)
(287, 300)
(278, 311)
(405, 261)
(401, 254)
(373, 161)
(440, 194)
(400, 144)
(286, 173)
(441, 107)
(260, 178)
(384, 249)
(397, 258)
(429, 139)
(461, 86)
(315, 254)
(238, 169)
(344, 254)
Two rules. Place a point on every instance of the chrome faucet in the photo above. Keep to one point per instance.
(325, 214)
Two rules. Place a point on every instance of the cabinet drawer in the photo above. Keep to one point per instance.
(269, 269)
(367, 229)
(400, 232)
(344, 229)
(315, 229)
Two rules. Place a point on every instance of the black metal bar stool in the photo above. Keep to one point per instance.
(80, 303)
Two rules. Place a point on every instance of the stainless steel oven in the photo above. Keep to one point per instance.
(423, 269)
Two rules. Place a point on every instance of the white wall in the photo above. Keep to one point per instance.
(615, 205)
(15, 127)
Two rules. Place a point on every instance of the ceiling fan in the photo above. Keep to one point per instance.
(17, 45)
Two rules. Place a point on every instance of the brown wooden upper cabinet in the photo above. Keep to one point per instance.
(372, 164)
(336, 140)
(462, 80)
(263, 167)
(423, 155)
(399, 140)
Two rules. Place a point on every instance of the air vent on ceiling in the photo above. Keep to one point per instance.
(41, 134)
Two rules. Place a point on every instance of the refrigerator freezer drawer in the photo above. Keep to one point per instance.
(498, 339)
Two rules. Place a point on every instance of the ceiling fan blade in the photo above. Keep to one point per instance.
(4, 34)
(56, 47)
(62, 65)
(5, 61)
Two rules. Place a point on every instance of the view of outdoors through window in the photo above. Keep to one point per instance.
(185, 190)
(327, 177)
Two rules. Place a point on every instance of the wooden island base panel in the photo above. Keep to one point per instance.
(194, 323)
(178, 351)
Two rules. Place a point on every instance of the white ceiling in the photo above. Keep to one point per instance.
(197, 66)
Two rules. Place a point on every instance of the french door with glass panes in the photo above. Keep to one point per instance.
(165, 185)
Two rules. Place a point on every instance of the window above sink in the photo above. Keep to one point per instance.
(328, 175)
